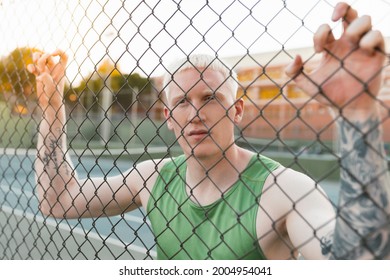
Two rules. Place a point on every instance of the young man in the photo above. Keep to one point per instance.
(219, 201)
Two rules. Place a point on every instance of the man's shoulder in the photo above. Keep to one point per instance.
(290, 180)
(148, 167)
(151, 165)
(267, 161)
(144, 174)
(259, 163)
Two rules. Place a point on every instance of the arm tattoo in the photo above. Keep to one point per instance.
(326, 244)
(54, 155)
(363, 223)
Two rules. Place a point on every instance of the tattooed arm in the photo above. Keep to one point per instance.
(61, 193)
(53, 166)
(348, 80)
(363, 226)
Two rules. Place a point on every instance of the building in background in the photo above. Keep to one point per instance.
(277, 108)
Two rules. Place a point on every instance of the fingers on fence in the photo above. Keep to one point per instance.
(295, 71)
(31, 67)
(345, 12)
(323, 37)
(41, 61)
(358, 28)
(295, 67)
(62, 55)
(44, 62)
(373, 41)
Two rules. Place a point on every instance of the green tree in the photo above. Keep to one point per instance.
(17, 85)
(15, 76)
(122, 86)
(128, 86)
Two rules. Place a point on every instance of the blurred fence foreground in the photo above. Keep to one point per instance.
(118, 52)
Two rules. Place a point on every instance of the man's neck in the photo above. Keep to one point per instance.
(208, 177)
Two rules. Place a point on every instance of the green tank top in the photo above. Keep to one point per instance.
(225, 229)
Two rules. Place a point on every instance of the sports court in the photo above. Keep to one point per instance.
(102, 238)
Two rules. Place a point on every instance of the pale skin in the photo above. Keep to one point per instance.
(202, 112)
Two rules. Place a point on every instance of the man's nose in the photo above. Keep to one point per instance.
(196, 113)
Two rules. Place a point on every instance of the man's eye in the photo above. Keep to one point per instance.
(210, 97)
(181, 101)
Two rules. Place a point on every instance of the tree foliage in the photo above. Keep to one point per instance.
(122, 86)
(17, 85)
(15, 79)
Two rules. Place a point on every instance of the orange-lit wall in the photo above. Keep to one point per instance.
(275, 107)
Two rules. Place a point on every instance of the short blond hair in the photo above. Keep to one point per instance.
(201, 62)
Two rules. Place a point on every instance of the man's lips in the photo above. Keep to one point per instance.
(198, 132)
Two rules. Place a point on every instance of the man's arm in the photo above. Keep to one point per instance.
(348, 81)
(363, 226)
(53, 166)
(301, 222)
(60, 191)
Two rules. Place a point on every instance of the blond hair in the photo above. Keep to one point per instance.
(201, 62)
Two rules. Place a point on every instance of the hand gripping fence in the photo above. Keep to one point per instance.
(116, 120)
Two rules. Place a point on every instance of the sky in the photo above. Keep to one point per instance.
(145, 36)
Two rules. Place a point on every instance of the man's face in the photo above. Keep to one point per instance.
(202, 111)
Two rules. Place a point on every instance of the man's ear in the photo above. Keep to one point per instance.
(167, 115)
(239, 106)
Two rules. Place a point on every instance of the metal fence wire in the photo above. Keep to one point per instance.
(121, 123)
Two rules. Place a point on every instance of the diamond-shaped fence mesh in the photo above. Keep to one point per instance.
(139, 160)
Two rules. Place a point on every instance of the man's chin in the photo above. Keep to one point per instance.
(203, 151)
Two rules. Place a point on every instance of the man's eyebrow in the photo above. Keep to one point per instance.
(178, 97)
(211, 91)
(217, 92)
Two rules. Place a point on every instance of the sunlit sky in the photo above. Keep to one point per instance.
(143, 36)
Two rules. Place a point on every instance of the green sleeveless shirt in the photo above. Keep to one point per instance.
(225, 229)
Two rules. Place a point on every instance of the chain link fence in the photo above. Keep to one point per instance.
(118, 52)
